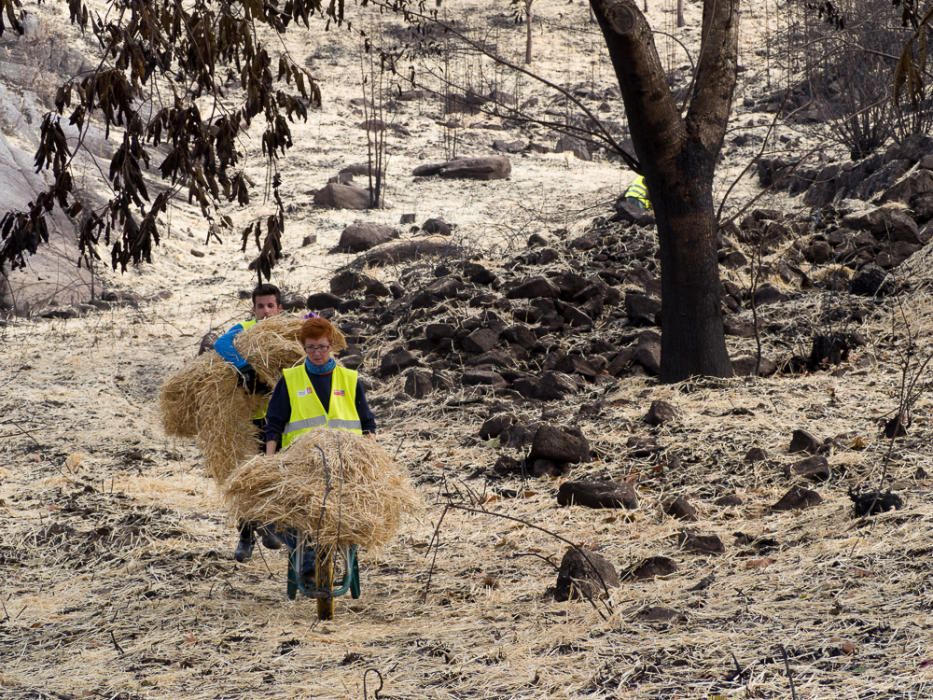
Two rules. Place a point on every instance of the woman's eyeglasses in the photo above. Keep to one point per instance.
(317, 348)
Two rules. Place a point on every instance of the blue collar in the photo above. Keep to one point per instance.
(326, 368)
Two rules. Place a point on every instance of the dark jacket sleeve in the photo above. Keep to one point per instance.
(367, 419)
(278, 413)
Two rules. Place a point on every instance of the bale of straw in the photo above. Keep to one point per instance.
(336, 487)
(207, 383)
(271, 346)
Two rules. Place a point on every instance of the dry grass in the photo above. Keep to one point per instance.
(335, 486)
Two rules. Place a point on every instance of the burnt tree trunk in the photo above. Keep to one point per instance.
(677, 156)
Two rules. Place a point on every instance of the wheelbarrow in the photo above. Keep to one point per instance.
(336, 573)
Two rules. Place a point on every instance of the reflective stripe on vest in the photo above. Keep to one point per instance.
(638, 190)
(307, 409)
(260, 412)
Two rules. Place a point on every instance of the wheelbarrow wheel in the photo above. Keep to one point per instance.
(324, 582)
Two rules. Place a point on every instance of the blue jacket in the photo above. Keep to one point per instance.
(224, 347)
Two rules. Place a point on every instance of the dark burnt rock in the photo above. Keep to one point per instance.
(797, 498)
(872, 281)
(584, 575)
(745, 366)
(632, 214)
(909, 189)
(733, 259)
(739, 327)
(439, 331)
(352, 360)
(642, 310)
(621, 362)
(660, 412)
(803, 441)
(728, 500)
(494, 426)
(659, 613)
(418, 382)
(653, 567)
(569, 284)
(681, 509)
(833, 348)
(549, 386)
(335, 195)
(814, 468)
(573, 144)
(818, 252)
(509, 466)
(447, 287)
(548, 467)
(481, 340)
(396, 360)
(477, 274)
(521, 335)
(597, 494)
(560, 445)
(767, 293)
(534, 288)
(324, 300)
(886, 223)
(648, 354)
(575, 317)
(701, 544)
(755, 454)
(358, 237)
(589, 368)
(494, 359)
(348, 281)
(435, 225)
(872, 502)
(896, 427)
(478, 376)
(503, 146)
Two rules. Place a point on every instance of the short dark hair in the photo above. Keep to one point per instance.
(265, 290)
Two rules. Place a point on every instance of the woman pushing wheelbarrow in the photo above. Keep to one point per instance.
(325, 484)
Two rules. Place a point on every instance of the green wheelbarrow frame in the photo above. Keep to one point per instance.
(349, 583)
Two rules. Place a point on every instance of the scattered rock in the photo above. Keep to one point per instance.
(642, 310)
(481, 340)
(407, 250)
(745, 366)
(755, 454)
(515, 146)
(584, 574)
(436, 226)
(481, 168)
(657, 613)
(701, 544)
(534, 288)
(325, 300)
(396, 360)
(597, 494)
(681, 509)
(653, 567)
(660, 412)
(560, 445)
(310, 239)
(336, 195)
(494, 426)
(872, 502)
(890, 223)
(648, 354)
(483, 377)
(803, 441)
(358, 237)
(896, 427)
(814, 468)
(573, 144)
(418, 382)
(797, 498)
(728, 500)
(548, 467)
(872, 281)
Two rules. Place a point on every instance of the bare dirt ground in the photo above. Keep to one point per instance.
(115, 551)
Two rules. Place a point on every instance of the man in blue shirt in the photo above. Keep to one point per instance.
(267, 302)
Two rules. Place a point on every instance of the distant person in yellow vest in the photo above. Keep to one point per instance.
(319, 393)
(267, 302)
(637, 194)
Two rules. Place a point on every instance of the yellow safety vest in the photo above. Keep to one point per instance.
(638, 190)
(308, 411)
